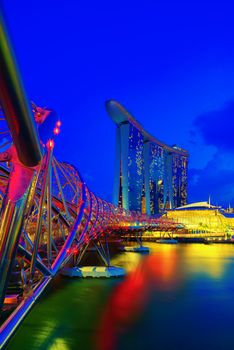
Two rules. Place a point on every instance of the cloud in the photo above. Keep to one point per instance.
(217, 127)
(216, 178)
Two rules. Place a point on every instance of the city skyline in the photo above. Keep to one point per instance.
(172, 65)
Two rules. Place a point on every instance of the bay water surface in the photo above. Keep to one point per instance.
(177, 297)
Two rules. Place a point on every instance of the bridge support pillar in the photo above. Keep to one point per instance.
(139, 248)
(106, 271)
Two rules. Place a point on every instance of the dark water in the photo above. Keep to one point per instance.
(178, 297)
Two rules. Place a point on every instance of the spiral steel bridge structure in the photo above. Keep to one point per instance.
(48, 214)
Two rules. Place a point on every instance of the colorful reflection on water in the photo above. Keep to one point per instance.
(178, 297)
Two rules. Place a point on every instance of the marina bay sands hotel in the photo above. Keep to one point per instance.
(150, 176)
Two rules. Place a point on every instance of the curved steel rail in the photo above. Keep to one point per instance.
(48, 214)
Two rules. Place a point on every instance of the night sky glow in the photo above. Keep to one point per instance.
(171, 64)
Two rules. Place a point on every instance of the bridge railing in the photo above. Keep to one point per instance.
(48, 214)
(47, 211)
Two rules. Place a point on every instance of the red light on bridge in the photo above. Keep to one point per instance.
(56, 131)
(50, 144)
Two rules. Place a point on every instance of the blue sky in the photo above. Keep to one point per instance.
(170, 63)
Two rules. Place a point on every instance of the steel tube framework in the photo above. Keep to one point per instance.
(48, 214)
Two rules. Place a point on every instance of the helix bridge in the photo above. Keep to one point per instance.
(49, 217)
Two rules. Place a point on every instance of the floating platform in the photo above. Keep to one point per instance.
(93, 272)
(168, 241)
(191, 240)
(140, 249)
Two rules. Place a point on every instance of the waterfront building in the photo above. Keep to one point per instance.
(150, 176)
(203, 218)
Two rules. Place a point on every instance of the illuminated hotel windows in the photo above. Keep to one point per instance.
(135, 168)
(149, 175)
(156, 176)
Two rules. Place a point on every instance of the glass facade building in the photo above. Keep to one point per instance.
(149, 175)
